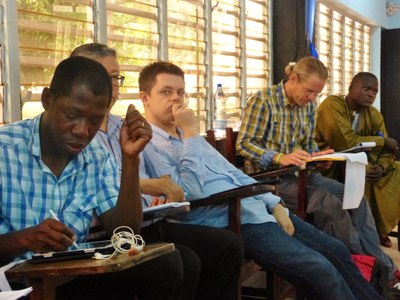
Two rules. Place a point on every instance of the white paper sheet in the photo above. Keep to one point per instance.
(355, 179)
(13, 295)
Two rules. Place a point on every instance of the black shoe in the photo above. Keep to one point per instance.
(385, 241)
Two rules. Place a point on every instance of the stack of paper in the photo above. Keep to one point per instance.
(355, 176)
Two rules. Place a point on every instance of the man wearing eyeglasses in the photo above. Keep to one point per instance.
(278, 129)
(211, 264)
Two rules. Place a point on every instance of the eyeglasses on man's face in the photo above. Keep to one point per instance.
(117, 80)
(309, 91)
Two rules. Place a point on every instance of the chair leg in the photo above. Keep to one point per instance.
(270, 285)
(398, 236)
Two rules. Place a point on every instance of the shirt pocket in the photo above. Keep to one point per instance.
(303, 133)
(278, 138)
(78, 214)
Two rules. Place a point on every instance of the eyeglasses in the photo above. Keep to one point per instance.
(117, 80)
(309, 91)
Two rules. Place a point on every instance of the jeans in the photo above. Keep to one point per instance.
(361, 219)
(317, 263)
(355, 227)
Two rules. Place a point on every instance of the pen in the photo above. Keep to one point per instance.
(54, 216)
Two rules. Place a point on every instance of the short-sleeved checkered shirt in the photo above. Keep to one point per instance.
(28, 189)
(271, 124)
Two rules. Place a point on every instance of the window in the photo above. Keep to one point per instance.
(132, 31)
(257, 45)
(186, 48)
(1, 73)
(240, 57)
(344, 46)
(48, 31)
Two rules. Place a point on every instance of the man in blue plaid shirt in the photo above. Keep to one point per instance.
(50, 164)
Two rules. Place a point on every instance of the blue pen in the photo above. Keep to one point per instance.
(54, 216)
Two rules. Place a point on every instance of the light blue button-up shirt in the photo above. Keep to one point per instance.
(201, 171)
(28, 188)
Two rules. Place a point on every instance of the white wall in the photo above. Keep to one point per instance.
(374, 13)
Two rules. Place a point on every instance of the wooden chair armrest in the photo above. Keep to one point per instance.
(274, 172)
(150, 215)
(259, 187)
(302, 184)
(232, 198)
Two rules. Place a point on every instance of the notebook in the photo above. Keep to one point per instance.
(84, 250)
(166, 206)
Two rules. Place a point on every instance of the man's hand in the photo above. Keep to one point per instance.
(297, 158)
(172, 191)
(283, 219)
(391, 145)
(50, 235)
(135, 132)
(163, 186)
(374, 173)
(185, 119)
(323, 165)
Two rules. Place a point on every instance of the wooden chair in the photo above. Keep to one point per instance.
(227, 147)
(44, 278)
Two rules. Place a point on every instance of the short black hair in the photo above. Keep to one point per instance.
(362, 76)
(79, 70)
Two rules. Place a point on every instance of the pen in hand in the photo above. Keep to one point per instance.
(54, 216)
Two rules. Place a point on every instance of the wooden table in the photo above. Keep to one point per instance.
(45, 277)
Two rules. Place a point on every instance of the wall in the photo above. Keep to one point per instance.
(371, 10)
(394, 21)
(374, 13)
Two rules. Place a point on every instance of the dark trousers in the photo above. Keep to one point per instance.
(157, 279)
(211, 258)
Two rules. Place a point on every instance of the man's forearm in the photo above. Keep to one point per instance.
(128, 210)
(11, 246)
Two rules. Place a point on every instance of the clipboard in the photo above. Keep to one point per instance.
(364, 146)
(84, 250)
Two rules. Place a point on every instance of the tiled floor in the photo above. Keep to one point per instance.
(393, 251)
(258, 279)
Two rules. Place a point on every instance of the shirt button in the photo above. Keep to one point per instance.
(81, 207)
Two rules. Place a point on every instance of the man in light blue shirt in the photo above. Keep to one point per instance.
(273, 238)
(50, 163)
(211, 266)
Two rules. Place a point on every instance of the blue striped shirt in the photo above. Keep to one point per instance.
(28, 189)
(110, 140)
(271, 124)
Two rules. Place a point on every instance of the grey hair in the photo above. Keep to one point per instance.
(94, 50)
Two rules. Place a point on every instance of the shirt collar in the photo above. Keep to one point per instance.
(34, 141)
(163, 133)
(285, 99)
